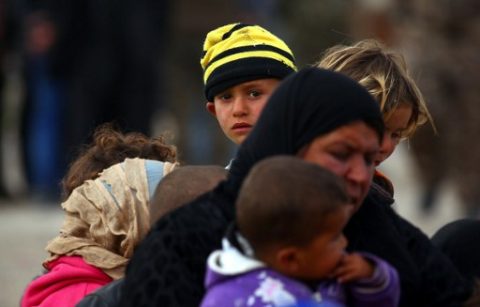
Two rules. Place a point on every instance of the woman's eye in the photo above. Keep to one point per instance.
(341, 155)
(254, 93)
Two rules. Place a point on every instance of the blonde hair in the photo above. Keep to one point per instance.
(384, 74)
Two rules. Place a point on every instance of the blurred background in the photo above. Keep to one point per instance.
(67, 66)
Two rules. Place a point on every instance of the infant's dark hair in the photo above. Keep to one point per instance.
(286, 201)
(110, 146)
(182, 186)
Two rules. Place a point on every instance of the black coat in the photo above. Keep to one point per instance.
(106, 296)
(168, 268)
(427, 277)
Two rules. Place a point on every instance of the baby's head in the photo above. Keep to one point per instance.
(292, 213)
(384, 74)
(242, 66)
(182, 186)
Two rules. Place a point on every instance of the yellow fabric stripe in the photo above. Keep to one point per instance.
(236, 42)
(261, 53)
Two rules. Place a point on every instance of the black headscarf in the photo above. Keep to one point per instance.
(306, 105)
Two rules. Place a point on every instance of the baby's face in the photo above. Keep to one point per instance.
(395, 126)
(319, 259)
(237, 109)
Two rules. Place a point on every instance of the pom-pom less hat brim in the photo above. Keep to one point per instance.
(242, 71)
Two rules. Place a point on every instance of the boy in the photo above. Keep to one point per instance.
(242, 66)
(289, 246)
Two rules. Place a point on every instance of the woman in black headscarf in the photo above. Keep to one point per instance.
(322, 117)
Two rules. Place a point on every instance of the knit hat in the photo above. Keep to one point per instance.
(238, 53)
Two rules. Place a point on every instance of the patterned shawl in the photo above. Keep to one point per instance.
(107, 217)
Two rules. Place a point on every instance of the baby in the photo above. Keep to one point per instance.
(288, 247)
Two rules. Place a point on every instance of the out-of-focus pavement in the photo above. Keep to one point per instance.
(25, 227)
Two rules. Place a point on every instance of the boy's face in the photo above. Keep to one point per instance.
(238, 108)
(324, 253)
(395, 126)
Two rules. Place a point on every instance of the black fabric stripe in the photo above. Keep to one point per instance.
(250, 48)
(243, 70)
(235, 28)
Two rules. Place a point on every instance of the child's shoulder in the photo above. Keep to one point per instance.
(258, 287)
(382, 181)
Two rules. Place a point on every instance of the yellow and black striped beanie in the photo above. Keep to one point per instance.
(238, 53)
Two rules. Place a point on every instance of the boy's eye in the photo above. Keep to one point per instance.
(225, 96)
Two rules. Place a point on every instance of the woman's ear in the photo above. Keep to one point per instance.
(210, 106)
(289, 261)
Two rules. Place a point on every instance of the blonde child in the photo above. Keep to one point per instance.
(383, 72)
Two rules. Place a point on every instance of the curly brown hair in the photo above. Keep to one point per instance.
(109, 147)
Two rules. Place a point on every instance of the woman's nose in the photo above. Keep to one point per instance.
(360, 171)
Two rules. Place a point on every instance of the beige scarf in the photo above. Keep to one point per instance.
(104, 225)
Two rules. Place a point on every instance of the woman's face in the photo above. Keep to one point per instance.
(348, 152)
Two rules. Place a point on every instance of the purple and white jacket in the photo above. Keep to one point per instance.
(236, 280)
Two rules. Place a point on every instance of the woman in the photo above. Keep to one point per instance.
(320, 116)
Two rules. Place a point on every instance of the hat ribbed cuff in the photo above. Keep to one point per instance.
(244, 70)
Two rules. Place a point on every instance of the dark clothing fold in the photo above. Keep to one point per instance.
(427, 277)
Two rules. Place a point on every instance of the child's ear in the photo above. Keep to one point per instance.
(210, 106)
(289, 260)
